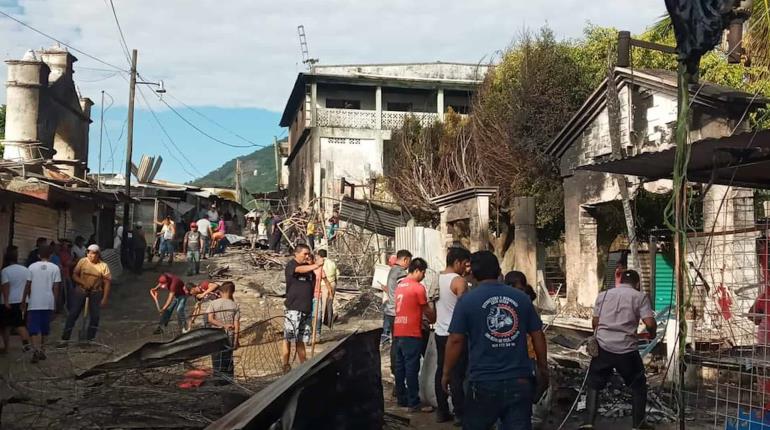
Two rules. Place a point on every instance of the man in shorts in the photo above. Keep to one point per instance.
(15, 279)
(300, 284)
(44, 287)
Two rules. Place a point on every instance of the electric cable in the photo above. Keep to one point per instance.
(93, 57)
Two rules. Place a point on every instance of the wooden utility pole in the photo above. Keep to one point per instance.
(129, 150)
(238, 179)
(101, 132)
(277, 165)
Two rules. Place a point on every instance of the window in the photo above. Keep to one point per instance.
(399, 106)
(343, 104)
(461, 109)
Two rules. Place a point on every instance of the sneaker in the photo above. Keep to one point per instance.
(35, 357)
(185, 330)
(41, 354)
(421, 408)
(62, 344)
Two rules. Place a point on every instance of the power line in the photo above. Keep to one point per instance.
(163, 129)
(122, 40)
(62, 43)
(206, 134)
(213, 121)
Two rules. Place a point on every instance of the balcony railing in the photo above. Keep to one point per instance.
(393, 120)
(348, 118)
(367, 119)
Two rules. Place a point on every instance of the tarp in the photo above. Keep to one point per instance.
(698, 26)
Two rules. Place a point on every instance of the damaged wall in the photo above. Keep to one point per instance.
(647, 120)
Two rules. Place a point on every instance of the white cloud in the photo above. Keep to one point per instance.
(245, 53)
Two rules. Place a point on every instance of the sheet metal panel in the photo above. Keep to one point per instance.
(426, 243)
(371, 216)
(30, 222)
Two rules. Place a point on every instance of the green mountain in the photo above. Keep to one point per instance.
(261, 162)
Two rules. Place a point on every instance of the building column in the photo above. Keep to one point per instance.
(25, 80)
(440, 103)
(313, 104)
(525, 241)
(378, 107)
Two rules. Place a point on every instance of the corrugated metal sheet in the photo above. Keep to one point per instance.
(371, 216)
(75, 222)
(428, 244)
(112, 258)
(30, 222)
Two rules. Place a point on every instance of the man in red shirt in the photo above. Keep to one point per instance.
(176, 300)
(411, 304)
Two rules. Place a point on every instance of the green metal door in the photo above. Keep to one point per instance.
(664, 283)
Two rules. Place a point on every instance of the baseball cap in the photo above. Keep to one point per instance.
(193, 225)
(93, 248)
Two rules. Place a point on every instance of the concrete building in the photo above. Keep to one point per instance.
(340, 119)
(47, 120)
(648, 111)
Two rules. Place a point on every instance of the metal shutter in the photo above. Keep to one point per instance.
(30, 222)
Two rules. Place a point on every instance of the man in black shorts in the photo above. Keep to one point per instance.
(15, 278)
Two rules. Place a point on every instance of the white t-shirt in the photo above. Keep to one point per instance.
(78, 251)
(16, 276)
(213, 215)
(44, 275)
(168, 230)
(204, 227)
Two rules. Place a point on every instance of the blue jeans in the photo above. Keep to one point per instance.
(407, 370)
(179, 304)
(76, 301)
(206, 245)
(509, 401)
(166, 248)
(387, 327)
(194, 261)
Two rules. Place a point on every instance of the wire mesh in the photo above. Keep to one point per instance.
(727, 385)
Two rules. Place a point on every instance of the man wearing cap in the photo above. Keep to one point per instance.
(139, 245)
(191, 247)
(176, 300)
(92, 288)
(204, 228)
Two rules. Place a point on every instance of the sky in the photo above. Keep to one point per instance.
(235, 61)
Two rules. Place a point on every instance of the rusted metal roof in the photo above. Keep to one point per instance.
(371, 216)
(739, 160)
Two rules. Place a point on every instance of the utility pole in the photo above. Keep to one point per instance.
(101, 131)
(129, 150)
(238, 179)
(277, 165)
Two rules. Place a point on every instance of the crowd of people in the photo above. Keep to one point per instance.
(56, 277)
(269, 230)
(491, 352)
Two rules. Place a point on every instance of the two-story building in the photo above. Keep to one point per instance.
(340, 120)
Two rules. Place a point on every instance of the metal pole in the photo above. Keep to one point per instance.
(101, 131)
(129, 150)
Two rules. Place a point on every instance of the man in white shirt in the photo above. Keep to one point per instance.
(452, 285)
(204, 228)
(44, 286)
(15, 278)
(79, 249)
(213, 213)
